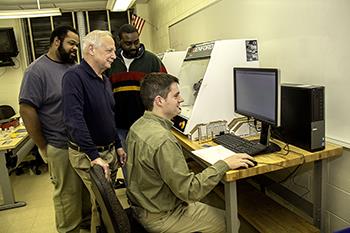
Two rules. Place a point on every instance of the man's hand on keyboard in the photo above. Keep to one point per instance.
(240, 160)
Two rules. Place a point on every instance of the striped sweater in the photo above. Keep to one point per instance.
(126, 85)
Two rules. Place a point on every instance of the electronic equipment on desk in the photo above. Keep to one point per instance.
(257, 94)
(206, 132)
(302, 125)
(206, 82)
(8, 46)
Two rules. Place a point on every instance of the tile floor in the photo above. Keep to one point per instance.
(38, 215)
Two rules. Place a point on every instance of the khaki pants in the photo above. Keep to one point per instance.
(68, 193)
(82, 164)
(194, 217)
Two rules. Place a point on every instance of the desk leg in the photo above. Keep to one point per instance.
(319, 179)
(231, 211)
(7, 192)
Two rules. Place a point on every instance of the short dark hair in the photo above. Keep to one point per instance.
(155, 84)
(126, 28)
(61, 32)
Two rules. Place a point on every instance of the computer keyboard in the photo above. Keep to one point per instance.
(239, 145)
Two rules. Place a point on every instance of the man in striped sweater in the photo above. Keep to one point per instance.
(133, 62)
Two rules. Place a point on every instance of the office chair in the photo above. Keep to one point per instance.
(6, 112)
(17, 160)
(114, 219)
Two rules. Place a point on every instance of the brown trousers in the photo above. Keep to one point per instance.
(194, 217)
(82, 164)
(69, 194)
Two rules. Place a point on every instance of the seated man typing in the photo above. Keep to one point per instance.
(163, 193)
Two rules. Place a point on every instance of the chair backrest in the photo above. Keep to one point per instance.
(113, 216)
(6, 111)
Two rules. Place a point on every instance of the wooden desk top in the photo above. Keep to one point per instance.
(10, 141)
(269, 162)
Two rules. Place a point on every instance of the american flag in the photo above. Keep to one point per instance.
(137, 22)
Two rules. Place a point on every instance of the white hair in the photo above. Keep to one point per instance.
(94, 38)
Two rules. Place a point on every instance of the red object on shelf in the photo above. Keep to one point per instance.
(12, 122)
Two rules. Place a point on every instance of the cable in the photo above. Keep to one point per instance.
(301, 186)
(286, 148)
(300, 154)
(294, 176)
(296, 169)
(278, 136)
(287, 151)
(290, 174)
(250, 124)
(258, 129)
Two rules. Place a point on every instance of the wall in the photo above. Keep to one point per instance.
(306, 39)
(296, 41)
(11, 76)
(142, 10)
(338, 193)
(292, 45)
(163, 13)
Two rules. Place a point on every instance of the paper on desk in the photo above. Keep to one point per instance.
(213, 154)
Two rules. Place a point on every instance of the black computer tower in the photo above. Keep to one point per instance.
(302, 116)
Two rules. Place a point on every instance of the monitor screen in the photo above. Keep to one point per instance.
(8, 45)
(257, 95)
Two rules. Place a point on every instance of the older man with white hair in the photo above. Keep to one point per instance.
(89, 113)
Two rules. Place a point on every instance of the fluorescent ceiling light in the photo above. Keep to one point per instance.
(119, 5)
(31, 13)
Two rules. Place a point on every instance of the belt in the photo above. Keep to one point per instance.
(99, 148)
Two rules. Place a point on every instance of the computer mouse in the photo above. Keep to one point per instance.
(253, 161)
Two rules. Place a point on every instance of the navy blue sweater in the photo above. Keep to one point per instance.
(88, 107)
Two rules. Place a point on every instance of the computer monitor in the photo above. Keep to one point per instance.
(257, 94)
(8, 46)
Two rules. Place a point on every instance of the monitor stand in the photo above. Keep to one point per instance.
(265, 139)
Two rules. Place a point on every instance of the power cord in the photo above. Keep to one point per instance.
(294, 172)
(292, 175)
(287, 150)
(307, 190)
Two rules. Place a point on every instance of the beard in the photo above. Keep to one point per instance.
(66, 57)
(132, 53)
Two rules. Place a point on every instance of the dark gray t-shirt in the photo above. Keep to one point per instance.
(42, 88)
